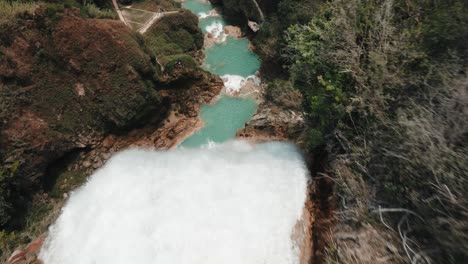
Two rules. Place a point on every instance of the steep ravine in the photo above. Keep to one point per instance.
(272, 121)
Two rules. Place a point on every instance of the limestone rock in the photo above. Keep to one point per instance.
(274, 123)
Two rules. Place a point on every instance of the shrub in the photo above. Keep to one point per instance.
(174, 34)
(161, 47)
(283, 93)
(95, 12)
(10, 9)
(382, 85)
(8, 241)
(271, 39)
(182, 61)
(7, 175)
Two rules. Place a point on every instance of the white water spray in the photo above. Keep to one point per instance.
(217, 31)
(234, 83)
(203, 15)
(234, 203)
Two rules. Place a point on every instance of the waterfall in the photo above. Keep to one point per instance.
(206, 202)
(231, 203)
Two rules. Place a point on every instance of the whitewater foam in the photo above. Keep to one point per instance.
(234, 83)
(217, 31)
(232, 203)
(203, 15)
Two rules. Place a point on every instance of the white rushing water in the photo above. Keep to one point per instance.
(233, 203)
(217, 31)
(234, 83)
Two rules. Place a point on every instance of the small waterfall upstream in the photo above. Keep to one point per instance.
(212, 200)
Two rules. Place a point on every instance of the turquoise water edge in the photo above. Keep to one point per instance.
(231, 57)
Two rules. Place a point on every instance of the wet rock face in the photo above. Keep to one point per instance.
(279, 117)
(273, 123)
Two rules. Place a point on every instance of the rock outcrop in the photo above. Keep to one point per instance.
(271, 122)
(279, 116)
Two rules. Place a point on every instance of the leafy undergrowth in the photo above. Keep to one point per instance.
(94, 11)
(10, 9)
(385, 93)
(174, 40)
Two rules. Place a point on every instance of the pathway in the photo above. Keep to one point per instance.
(138, 19)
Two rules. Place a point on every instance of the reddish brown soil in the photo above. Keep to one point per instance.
(321, 206)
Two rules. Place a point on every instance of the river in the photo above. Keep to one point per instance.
(211, 200)
(231, 59)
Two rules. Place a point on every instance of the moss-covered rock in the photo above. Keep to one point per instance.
(175, 34)
(175, 40)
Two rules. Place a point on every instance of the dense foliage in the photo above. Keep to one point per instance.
(175, 39)
(271, 39)
(385, 87)
(6, 182)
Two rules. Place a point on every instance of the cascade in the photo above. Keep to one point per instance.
(211, 200)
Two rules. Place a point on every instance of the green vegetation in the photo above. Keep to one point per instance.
(67, 181)
(175, 39)
(175, 34)
(8, 241)
(181, 61)
(8, 198)
(270, 40)
(156, 5)
(282, 93)
(384, 86)
(6, 181)
(93, 11)
(41, 212)
(10, 9)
